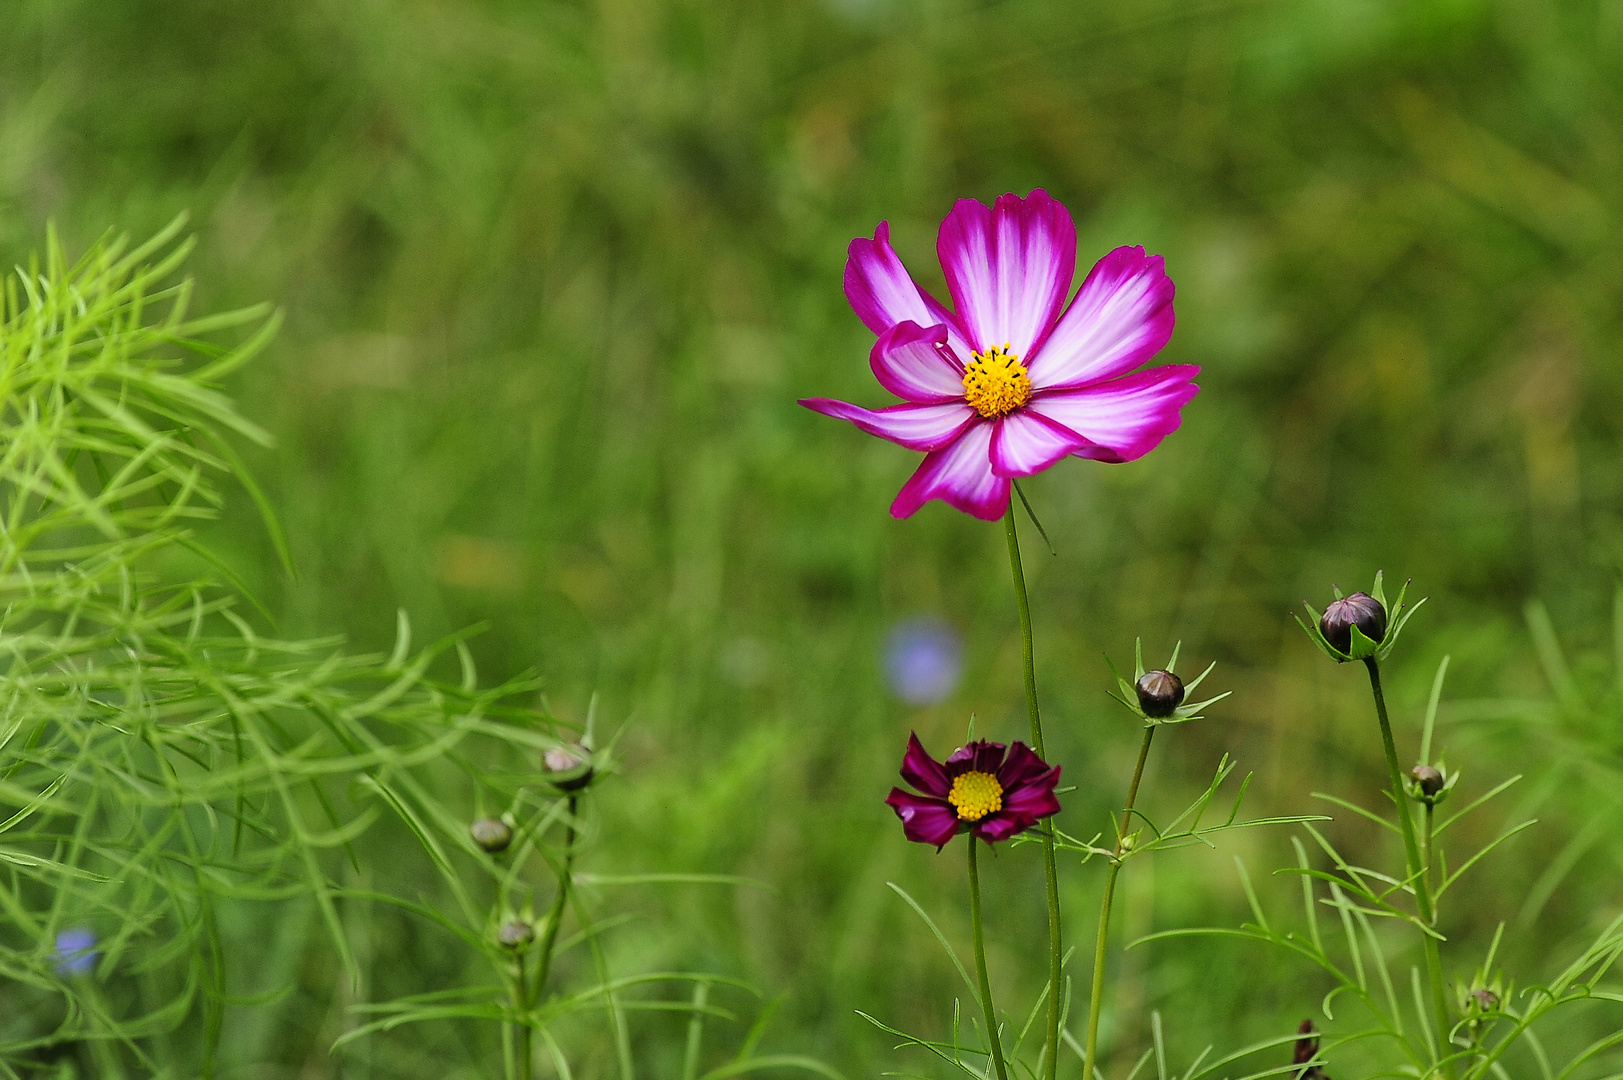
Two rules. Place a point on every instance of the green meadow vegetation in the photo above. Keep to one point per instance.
(476, 425)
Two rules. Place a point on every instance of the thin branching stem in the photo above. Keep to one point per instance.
(1045, 828)
(1417, 869)
(1096, 1002)
(988, 1010)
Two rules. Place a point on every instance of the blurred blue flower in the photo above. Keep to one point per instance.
(923, 659)
(76, 951)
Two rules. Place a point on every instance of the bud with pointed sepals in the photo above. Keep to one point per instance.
(1427, 779)
(491, 834)
(1361, 611)
(1157, 697)
(1362, 626)
(1159, 693)
(569, 767)
(515, 934)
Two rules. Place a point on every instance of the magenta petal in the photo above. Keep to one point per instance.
(999, 826)
(924, 820)
(978, 756)
(960, 475)
(882, 293)
(917, 427)
(1021, 766)
(1035, 799)
(1128, 416)
(1026, 442)
(923, 771)
(915, 362)
(1008, 268)
(1119, 319)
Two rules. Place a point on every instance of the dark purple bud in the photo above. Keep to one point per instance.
(515, 934)
(491, 834)
(1361, 610)
(1307, 1045)
(568, 767)
(1159, 692)
(1306, 1048)
(1429, 779)
(1486, 1000)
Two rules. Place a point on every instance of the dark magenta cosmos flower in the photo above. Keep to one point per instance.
(1013, 379)
(978, 790)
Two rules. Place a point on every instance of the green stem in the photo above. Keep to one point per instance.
(987, 1009)
(527, 994)
(566, 878)
(1418, 869)
(1045, 828)
(521, 1002)
(1096, 1001)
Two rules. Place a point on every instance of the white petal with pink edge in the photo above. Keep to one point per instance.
(1026, 442)
(1127, 417)
(915, 362)
(1008, 268)
(917, 427)
(882, 293)
(961, 476)
(1120, 318)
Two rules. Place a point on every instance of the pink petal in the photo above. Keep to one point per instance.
(1120, 318)
(1008, 268)
(883, 294)
(960, 475)
(1026, 442)
(923, 771)
(1125, 418)
(914, 362)
(924, 820)
(917, 427)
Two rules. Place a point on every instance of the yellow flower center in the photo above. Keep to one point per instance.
(975, 794)
(996, 383)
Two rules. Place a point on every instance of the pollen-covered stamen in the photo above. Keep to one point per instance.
(996, 383)
(975, 794)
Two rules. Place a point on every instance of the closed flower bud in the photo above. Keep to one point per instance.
(1159, 692)
(1428, 779)
(1361, 610)
(568, 767)
(491, 834)
(515, 934)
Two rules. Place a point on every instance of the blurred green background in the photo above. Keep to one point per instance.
(555, 272)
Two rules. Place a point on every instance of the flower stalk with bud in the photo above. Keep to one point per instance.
(1360, 627)
(1157, 697)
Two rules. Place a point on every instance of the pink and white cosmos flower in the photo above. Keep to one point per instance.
(1014, 378)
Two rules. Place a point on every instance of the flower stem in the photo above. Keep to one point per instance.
(521, 1002)
(566, 879)
(1419, 871)
(1046, 827)
(1096, 1001)
(987, 1009)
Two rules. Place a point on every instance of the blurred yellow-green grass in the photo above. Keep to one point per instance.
(555, 271)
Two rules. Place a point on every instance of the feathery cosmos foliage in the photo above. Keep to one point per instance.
(161, 758)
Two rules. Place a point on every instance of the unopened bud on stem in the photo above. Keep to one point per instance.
(1428, 779)
(569, 768)
(1361, 610)
(1159, 693)
(515, 934)
(491, 834)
